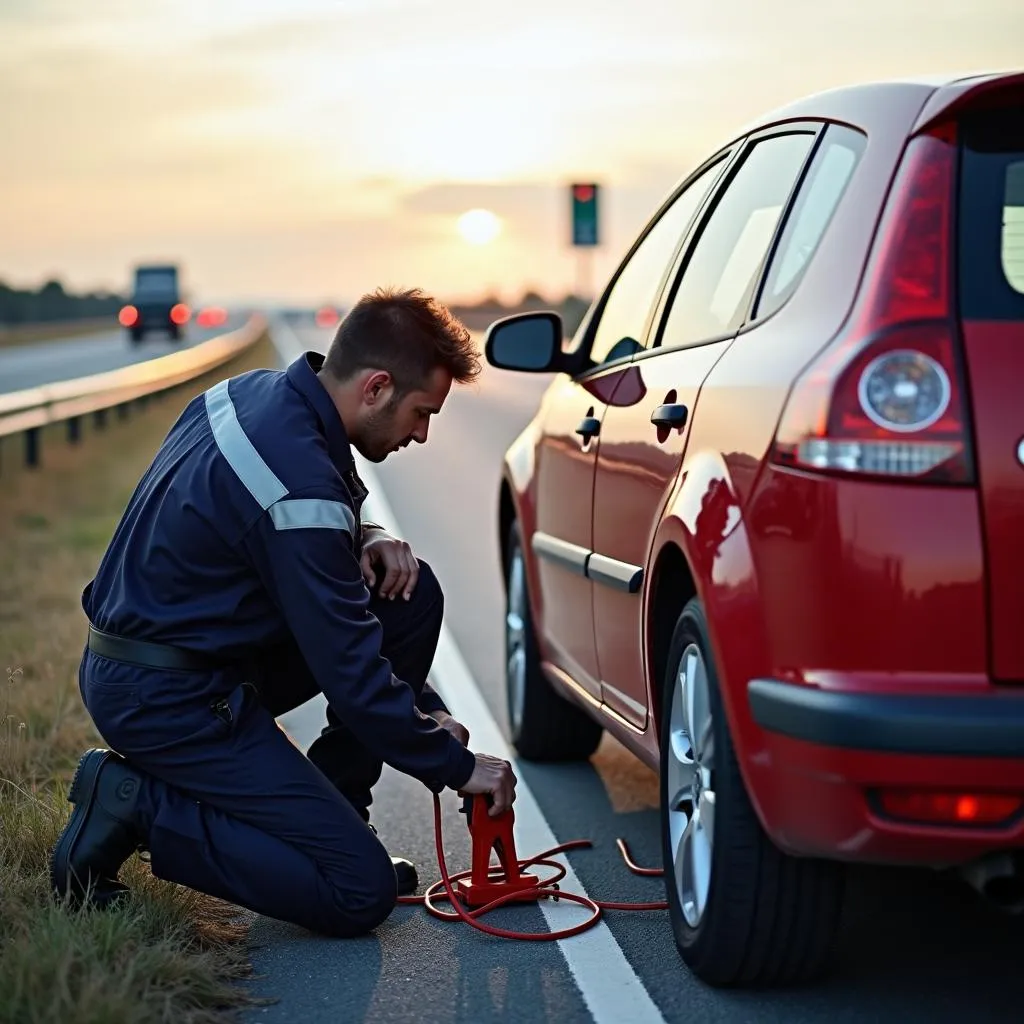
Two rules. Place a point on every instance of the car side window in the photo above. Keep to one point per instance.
(1012, 243)
(818, 198)
(620, 329)
(724, 266)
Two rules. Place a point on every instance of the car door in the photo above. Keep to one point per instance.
(566, 455)
(564, 474)
(643, 442)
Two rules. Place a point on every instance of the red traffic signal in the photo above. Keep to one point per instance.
(584, 212)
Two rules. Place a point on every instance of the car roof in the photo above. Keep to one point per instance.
(858, 103)
(866, 101)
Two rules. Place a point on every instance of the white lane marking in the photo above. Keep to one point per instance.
(607, 982)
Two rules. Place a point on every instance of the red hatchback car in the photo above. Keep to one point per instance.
(767, 524)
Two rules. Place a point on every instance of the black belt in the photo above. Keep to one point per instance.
(147, 654)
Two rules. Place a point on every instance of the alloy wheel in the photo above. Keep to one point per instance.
(690, 792)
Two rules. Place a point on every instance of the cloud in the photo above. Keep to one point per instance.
(304, 142)
(540, 212)
(508, 200)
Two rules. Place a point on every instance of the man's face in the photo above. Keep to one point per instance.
(389, 423)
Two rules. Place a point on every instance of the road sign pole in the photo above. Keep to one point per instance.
(583, 200)
(584, 272)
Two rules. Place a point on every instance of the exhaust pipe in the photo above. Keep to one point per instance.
(999, 878)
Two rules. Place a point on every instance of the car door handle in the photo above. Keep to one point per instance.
(589, 427)
(669, 416)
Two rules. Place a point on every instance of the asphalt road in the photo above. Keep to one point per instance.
(28, 366)
(914, 947)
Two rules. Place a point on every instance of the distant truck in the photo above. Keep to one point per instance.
(155, 303)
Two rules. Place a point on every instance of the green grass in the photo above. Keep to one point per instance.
(170, 955)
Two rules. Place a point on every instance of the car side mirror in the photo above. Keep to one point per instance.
(529, 342)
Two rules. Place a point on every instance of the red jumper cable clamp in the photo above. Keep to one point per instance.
(486, 886)
(492, 835)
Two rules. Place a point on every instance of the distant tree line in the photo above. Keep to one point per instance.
(52, 303)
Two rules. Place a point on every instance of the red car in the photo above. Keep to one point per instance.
(767, 524)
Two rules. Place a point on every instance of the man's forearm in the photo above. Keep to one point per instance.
(429, 700)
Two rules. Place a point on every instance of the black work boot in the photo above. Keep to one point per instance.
(103, 832)
(405, 872)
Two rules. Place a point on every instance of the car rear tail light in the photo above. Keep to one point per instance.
(180, 314)
(887, 398)
(950, 808)
(128, 317)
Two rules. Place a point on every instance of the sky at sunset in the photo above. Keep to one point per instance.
(299, 150)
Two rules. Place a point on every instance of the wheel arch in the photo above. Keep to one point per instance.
(702, 548)
(506, 517)
(672, 587)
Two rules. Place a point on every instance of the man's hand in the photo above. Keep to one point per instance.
(395, 557)
(494, 776)
(456, 728)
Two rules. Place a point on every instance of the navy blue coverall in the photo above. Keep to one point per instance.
(242, 542)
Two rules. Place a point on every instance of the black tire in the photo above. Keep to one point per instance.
(768, 918)
(137, 336)
(174, 332)
(545, 726)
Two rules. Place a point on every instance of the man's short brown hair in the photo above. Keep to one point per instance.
(406, 333)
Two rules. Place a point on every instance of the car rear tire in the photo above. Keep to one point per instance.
(544, 725)
(742, 912)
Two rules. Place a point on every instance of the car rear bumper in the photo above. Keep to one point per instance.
(155, 313)
(827, 754)
(962, 726)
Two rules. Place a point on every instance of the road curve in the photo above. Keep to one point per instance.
(43, 362)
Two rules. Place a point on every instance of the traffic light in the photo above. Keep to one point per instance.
(584, 213)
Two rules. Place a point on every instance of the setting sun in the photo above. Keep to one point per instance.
(478, 227)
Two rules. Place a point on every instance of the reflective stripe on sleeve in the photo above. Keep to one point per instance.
(248, 464)
(311, 514)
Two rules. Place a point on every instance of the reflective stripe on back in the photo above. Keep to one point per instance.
(249, 467)
(312, 513)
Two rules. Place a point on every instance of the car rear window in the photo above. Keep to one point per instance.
(991, 220)
(158, 280)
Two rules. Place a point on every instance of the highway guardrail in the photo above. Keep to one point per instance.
(30, 411)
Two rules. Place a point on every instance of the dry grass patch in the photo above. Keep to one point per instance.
(170, 955)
